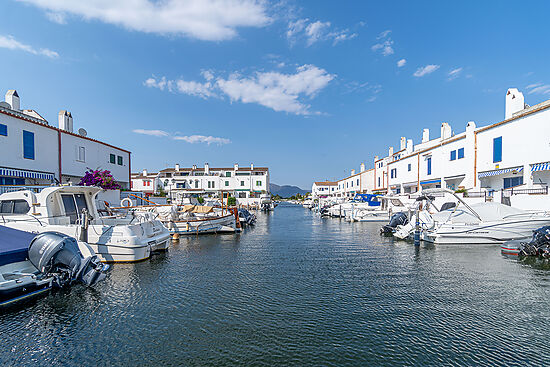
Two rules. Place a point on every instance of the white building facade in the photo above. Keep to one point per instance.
(32, 152)
(323, 189)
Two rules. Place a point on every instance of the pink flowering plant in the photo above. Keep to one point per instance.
(99, 178)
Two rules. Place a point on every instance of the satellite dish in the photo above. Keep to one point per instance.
(82, 132)
(5, 105)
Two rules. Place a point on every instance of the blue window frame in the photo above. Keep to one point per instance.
(461, 153)
(453, 155)
(28, 145)
(409, 167)
(513, 181)
(393, 173)
(3, 130)
(378, 181)
(497, 149)
(429, 164)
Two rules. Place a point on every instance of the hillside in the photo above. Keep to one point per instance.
(285, 191)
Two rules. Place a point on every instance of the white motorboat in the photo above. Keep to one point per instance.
(480, 223)
(114, 238)
(31, 265)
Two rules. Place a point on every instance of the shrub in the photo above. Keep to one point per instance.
(99, 178)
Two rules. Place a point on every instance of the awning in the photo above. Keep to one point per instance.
(26, 174)
(451, 178)
(499, 172)
(410, 184)
(540, 167)
(429, 182)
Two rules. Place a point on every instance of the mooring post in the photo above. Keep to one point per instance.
(417, 229)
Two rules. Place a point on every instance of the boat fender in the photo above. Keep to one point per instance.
(126, 200)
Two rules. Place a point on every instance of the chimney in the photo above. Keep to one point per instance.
(390, 152)
(13, 99)
(177, 167)
(144, 172)
(514, 102)
(403, 143)
(362, 167)
(410, 146)
(194, 166)
(236, 167)
(375, 158)
(206, 168)
(64, 122)
(251, 166)
(425, 135)
(446, 131)
(471, 126)
(352, 172)
(70, 120)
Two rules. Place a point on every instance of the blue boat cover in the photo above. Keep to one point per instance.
(14, 245)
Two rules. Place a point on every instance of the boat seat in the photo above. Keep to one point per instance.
(14, 245)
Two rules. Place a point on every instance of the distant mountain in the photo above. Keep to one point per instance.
(285, 191)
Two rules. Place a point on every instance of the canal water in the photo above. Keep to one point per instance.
(295, 290)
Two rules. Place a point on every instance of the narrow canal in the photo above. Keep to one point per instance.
(295, 290)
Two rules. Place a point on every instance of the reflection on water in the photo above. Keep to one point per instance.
(295, 290)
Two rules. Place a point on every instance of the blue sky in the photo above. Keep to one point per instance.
(309, 88)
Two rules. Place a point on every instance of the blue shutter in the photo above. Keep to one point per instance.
(28, 145)
(453, 155)
(497, 149)
(461, 153)
(429, 166)
(3, 130)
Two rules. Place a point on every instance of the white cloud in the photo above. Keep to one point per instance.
(210, 20)
(401, 63)
(12, 44)
(453, 74)
(278, 91)
(151, 132)
(58, 18)
(203, 139)
(316, 31)
(425, 70)
(385, 44)
(538, 88)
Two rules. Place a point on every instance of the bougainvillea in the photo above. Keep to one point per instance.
(99, 178)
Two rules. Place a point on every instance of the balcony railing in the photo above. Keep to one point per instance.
(12, 188)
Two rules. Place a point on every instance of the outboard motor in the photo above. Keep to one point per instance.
(59, 256)
(398, 219)
(539, 245)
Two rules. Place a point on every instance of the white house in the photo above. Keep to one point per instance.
(146, 182)
(33, 152)
(323, 189)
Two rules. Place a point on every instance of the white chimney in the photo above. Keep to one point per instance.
(251, 166)
(13, 99)
(178, 167)
(64, 121)
(410, 146)
(375, 158)
(352, 172)
(446, 131)
(514, 102)
(362, 167)
(70, 120)
(144, 172)
(390, 152)
(403, 143)
(206, 168)
(471, 126)
(236, 167)
(194, 166)
(425, 135)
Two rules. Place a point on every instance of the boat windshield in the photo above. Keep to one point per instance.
(74, 204)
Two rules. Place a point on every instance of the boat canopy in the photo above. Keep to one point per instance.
(14, 245)
(371, 199)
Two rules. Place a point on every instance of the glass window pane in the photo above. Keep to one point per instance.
(70, 207)
(20, 207)
(6, 207)
(80, 202)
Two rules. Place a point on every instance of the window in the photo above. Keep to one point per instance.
(393, 173)
(453, 155)
(429, 165)
(81, 154)
(409, 167)
(357, 182)
(74, 204)
(112, 158)
(258, 183)
(14, 207)
(378, 181)
(28, 145)
(3, 130)
(119, 160)
(196, 184)
(227, 174)
(242, 183)
(226, 183)
(513, 181)
(461, 153)
(180, 186)
(497, 149)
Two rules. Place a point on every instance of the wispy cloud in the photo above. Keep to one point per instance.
(189, 139)
(401, 63)
(538, 88)
(425, 70)
(11, 43)
(151, 132)
(385, 44)
(454, 73)
(211, 20)
(278, 91)
(316, 31)
(203, 139)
